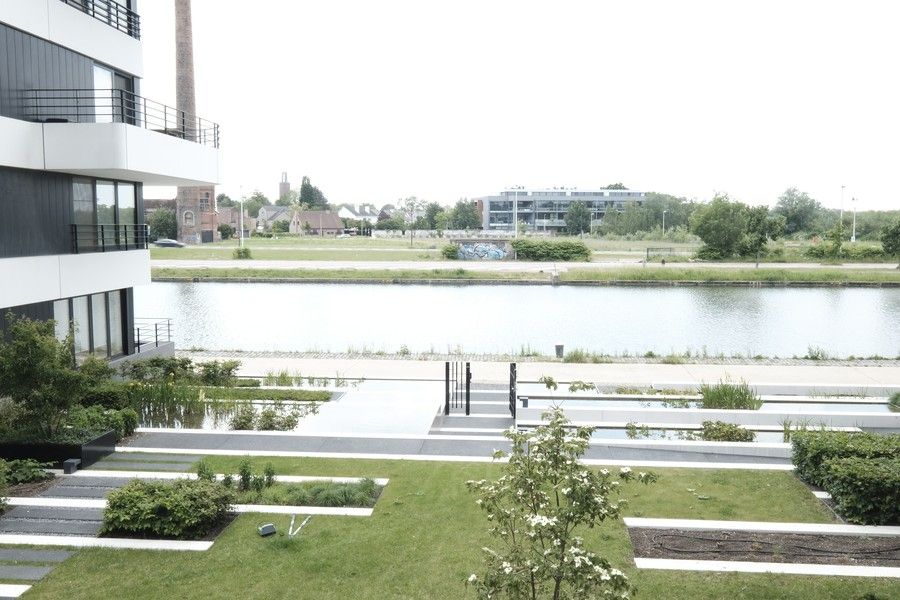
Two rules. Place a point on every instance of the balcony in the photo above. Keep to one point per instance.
(112, 13)
(118, 106)
(108, 238)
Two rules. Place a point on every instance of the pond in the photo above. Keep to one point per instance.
(781, 322)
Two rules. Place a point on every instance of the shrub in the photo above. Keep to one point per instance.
(218, 373)
(244, 417)
(720, 431)
(894, 402)
(245, 472)
(26, 470)
(269, 473)
(183, 509)
(160, 368)
(242, 254)
(450, 252)
(545, 250)
(204, 471)
(865, 490)
(811, 449)
(729, 396)
(112, 394)
(82, 423)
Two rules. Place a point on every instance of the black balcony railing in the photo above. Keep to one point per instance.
(112, 13)
(150, 333)
(108, 238)
(117, 106)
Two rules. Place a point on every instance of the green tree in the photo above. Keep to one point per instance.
(538, 510)
(226, 231)
(432, 210)
(798, 209)
(255, 202)
(835, 237)
(616, 186)
(37, 372)
(163, 224)
(281, 227)
(761, 227)
(890, 240)
(291, 198)
(721, 225)
(442, 222)
(225, 200)
(464, 215)
(578, 218)
(312, 196)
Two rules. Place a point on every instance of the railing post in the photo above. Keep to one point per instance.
(156, 334)
(512, 389)
(468, 387)
(168, 330)
(102, 239)
(447, 388)
(137, 338)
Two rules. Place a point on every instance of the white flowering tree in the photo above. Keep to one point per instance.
(537, 507)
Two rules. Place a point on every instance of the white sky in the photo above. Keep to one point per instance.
(445, 99)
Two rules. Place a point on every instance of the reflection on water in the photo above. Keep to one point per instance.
(494, 319)
(213, 416)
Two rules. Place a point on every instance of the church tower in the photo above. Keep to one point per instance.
(195, 207)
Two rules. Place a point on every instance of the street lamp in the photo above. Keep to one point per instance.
(664, 221)
(853, 236)
(842, 204)
(241, 218)
(516, 189)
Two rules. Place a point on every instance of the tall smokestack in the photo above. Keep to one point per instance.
(184, 58)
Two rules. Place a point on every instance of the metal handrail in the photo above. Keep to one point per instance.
(112, 13)
(151, 332)
(117, 106)
(109, 238)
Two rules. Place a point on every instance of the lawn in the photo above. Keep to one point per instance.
(298, 253)
(424, 540)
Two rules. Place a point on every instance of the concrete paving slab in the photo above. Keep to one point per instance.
(77, 492)
(55, 514)
(24, 573)
(47, 527)
(23, 555)
(137, 466)
(156, 458)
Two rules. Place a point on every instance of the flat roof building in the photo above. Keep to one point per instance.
(544, 209)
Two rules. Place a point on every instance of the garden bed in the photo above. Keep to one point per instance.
(31, 489)
(210, 536)
(88, 452)
(363, 494)
(822, 549)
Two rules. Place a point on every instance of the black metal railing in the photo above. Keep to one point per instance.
(112, 13)
(513, 389)
(108, 238)
(150, 333)
(457, 386)
(117, 106)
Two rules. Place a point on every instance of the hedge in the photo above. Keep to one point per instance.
(812, 448)
(544, 250)
(865, 490)
(182, 509)
(720, 431)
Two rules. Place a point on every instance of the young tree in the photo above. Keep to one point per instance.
(537, 509)
(798, 209)
(890, 240)
(411, 209)
(761, 227)
(256, 201)
(226, 231)
(37, 372)
(432, 210)
(163, 224)
(721, 225)
(578, 218)
(465, 216)
(291, 198)
(835, 237)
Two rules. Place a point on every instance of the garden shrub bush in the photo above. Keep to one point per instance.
(450, 252)
(161, 368)
(729, 396)
(218, 373)
(557, 250)
(25, 470)
(83, 423)
(314, 493)
(720, 431)
(182, 509)
(865, 490)
(241, 254)
(111, 394)
(811, 450)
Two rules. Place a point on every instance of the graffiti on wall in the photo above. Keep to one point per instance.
(482, 251)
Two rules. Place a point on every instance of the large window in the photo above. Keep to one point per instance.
(116, 344)
(105, 213)
(98, 322)
(81, 322)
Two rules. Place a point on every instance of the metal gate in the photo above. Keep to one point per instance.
(512, 389)
(457, 386)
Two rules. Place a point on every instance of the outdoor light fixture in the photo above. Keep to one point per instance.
(266, 529)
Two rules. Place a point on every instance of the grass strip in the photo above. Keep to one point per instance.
(716, 275)
(374, 275)
(242, 393)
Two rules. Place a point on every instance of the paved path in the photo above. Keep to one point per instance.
(485, 266)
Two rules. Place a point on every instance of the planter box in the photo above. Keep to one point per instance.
(88, 452)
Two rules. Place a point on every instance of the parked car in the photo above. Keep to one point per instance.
(167, 243)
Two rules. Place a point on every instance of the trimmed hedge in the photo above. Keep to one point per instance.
(558, 250)
(720, 431)
(811, 449)
(865, 490)
(182, 509)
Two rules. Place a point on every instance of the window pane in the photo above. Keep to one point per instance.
(115, 324)
(83, 201)
(61, 316)
(103, 101)
(126, 213)
(82, 333)
(106, 212)
(98, 312)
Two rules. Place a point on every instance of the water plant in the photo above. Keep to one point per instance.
(729, 396)
(549, 382)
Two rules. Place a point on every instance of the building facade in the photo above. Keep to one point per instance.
(78, 145)
(544, 209)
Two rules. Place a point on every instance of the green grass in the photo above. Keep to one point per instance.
(713, 275)
(424, 540)
(262, 253)
(244, 393)
(375, 275)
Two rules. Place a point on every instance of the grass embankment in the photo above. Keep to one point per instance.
(263, 253)
(374, 275)
(649, 274)
(249, 393)
(425, 538)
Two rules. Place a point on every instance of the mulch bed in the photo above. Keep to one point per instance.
(27, 490)
(749, 546)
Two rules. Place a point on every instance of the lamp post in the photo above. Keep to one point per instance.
(241, 218)
(853, 235)
(516, 213)
(842, 204)
(664, 221)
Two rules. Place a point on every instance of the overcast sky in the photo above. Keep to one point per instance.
(380, 100)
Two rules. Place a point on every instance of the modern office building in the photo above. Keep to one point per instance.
(77, 144)
(545, 209)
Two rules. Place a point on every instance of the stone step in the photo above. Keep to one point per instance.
(18, 573)
(152, 457)
(38, 556)
(116, 465)
(53, 514)
(48, 527)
